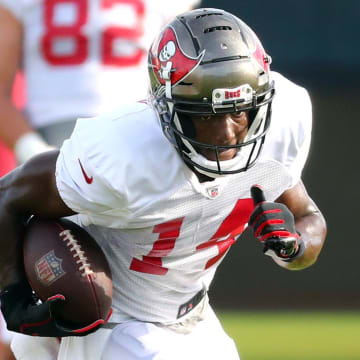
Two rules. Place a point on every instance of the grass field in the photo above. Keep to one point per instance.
(294, 336)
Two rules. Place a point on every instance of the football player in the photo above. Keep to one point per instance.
(166, 187)
(76, 55)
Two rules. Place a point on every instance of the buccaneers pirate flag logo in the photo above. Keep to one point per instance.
(169, 61)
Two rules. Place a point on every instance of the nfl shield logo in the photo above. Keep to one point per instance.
(213, 191)
(48, 268)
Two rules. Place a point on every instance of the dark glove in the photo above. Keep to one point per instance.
(24, 315)
(274, 226)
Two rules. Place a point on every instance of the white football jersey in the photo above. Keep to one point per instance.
(163, 231)
(83, 57)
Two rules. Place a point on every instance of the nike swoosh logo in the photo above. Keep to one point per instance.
(88, 179)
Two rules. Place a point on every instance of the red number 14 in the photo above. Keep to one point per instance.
(232, 226)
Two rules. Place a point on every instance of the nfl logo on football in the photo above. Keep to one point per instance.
(48, 268)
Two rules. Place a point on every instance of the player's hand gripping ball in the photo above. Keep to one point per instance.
(274, 226)
(69, 273)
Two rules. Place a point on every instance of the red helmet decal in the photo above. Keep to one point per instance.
(261, 57)
(167, 50)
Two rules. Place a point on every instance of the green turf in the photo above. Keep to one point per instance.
(294, 336)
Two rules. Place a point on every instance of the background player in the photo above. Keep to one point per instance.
(166, 211)
(76, 56)
(7, 163)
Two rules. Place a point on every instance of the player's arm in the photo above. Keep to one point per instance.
(30, 190)
(309, 223)
(27, 190)
(15, 131)
(292, 229)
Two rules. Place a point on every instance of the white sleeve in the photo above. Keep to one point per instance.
(288, 140)
(14, 6)
(302, 141)
(80, 183)
(297, 139)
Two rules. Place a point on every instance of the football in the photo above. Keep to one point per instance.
(60, 257)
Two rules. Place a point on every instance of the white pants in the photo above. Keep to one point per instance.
(136, 340)
(5, 334)
(26, 347)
